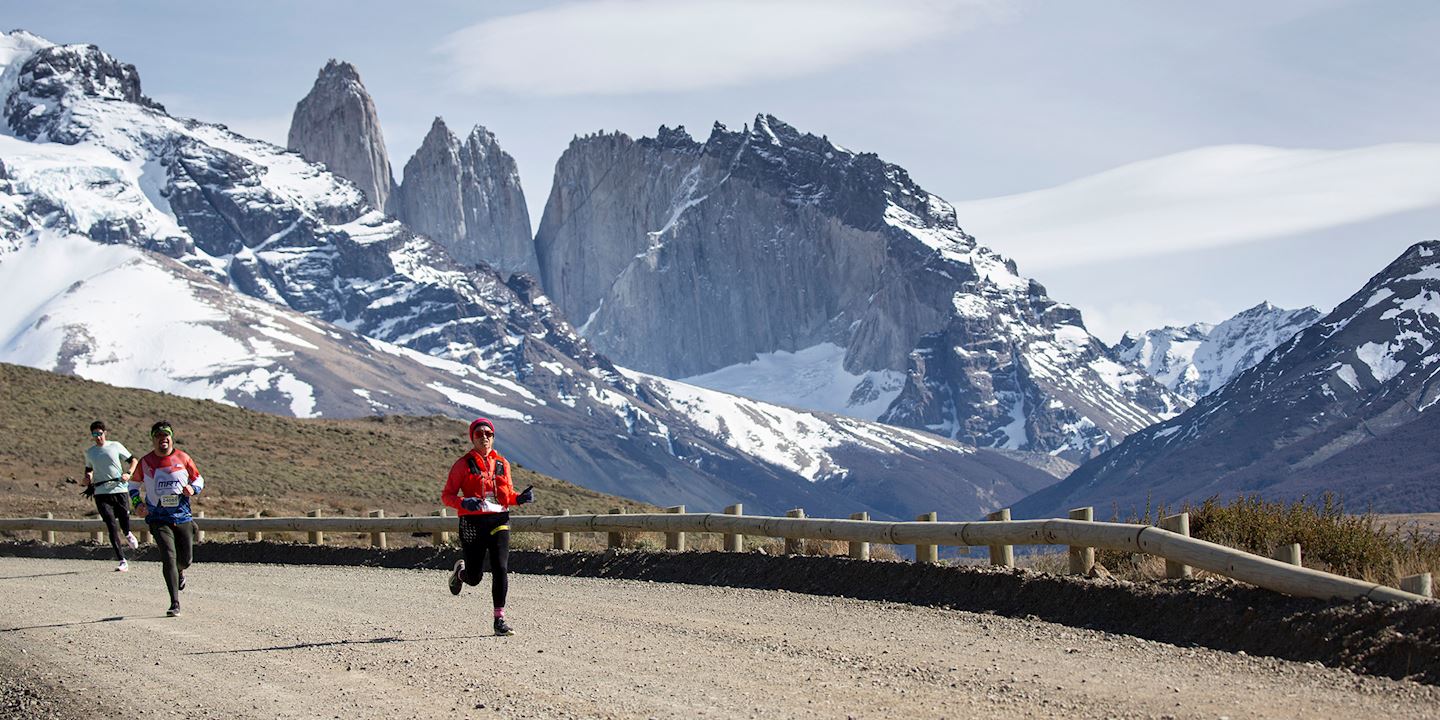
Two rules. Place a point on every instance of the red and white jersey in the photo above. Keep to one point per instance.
(163, 478)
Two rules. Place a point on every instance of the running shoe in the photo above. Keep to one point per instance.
(455, 580)
(130, 538)
(124, 566)
(174, 610)
(182, 581)
(502, 627)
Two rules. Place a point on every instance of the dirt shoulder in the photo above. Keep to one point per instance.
(1400, 641)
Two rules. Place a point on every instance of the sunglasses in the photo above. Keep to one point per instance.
(96, 433)
(486, 433)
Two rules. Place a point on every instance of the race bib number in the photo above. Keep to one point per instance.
(169, 501)
(488, 504)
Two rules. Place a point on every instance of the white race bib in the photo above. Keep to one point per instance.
(169, 501)
(488, 504)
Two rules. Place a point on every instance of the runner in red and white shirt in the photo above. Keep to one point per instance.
(479, 487)
(168, 479)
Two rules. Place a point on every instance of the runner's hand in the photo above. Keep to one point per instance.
(470, 503)
(186, 490)
(141, 510)
(526, 496)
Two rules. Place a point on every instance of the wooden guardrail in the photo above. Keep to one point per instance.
(1179, 551)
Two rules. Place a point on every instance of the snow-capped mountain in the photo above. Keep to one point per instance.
(776, 263)
(1356, 390)
(1197, 359)
(166, 253)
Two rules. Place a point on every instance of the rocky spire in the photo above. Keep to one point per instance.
(336, 124)
(467, 197)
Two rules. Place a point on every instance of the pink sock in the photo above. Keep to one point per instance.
(499, 612)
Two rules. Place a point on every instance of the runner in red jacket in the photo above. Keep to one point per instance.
(479, 487)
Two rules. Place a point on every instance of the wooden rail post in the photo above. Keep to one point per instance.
(675, 540)
(615, 539)
(1289, 554)
(734, 543)
(1179, 524)
(143, 536)
(256, 535)
(927, 554)
(1082, 559)
(98, 537)
(317, 537)
(1003, 555)
(1418, 584)
(562, 539)
(795, 546)
(199, 533)
(48, 536)
(377, 539)
(442, 537)
(860, 550)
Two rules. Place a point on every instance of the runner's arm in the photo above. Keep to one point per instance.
(196, 483)
(450, 496)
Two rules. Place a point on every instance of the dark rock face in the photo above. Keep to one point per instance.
(336, 124)
(1355, 390)
(680, 258)
(467, 197)
(54, 77)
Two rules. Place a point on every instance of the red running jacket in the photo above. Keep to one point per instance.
(493, 478)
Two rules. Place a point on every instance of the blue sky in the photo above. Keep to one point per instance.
(976, 99)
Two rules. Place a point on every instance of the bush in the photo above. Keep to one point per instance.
(1330, 538)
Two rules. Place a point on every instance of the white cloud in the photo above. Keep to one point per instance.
(1205, 198)
(613, 47)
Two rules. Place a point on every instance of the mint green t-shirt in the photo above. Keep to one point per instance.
(107, 461)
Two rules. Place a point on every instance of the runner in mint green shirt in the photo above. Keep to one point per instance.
(108, 466)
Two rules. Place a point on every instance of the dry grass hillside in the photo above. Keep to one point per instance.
(251, 461)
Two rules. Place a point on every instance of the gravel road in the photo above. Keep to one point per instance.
(78, 640)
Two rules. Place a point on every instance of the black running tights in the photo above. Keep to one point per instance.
(175, 543)
(482, 536)
(115, 511)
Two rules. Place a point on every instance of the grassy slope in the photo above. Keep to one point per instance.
(251, 461)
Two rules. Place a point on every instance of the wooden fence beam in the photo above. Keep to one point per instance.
(1002, 555)
(734, 542)
(1260, 571)
(795, 545)
(1082, 558)
(860, 550)
(1180, 525)
(1419, 584)
(377, 539)
(440, 538)
(927, 554)
(317, 537)
(562, 539)
(615, 539)
(1289, 554)
(675, 540)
